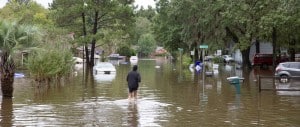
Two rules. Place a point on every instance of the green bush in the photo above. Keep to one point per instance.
(146, 44)
(51, 64)
(186, 60)
(126, 51)
(218, 59)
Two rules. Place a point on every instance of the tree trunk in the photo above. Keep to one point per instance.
(85, 47)
(274, 40)
(7, 75)
(93, 53)
(7, 85)
(93, 46)
(245, 53)
(245, 57)
(196, 55)
(292, 51)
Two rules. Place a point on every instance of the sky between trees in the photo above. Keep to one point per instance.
(44, 3)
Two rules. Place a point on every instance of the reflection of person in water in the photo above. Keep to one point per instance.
(132, 117)
(133, 79)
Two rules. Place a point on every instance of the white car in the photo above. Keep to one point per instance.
(133, 60)
(104, 68)
(227, 58)
(78, 63)
(78, 60)
(105, 78)
(208, 58)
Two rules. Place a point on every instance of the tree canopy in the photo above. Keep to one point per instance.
(187, 24)
(26, 12)
(173, 23)
(91, 19)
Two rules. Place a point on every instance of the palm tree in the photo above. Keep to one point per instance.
(13, 37)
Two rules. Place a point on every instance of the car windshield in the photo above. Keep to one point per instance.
(104, 65)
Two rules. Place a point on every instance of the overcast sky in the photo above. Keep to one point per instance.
(144, 3)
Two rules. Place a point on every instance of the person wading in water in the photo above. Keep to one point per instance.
(133, 79)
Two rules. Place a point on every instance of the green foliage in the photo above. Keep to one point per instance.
(218, 59)
(42, 19)
(126, 51)
(186, 60)
(26, 12)
(146, 13)
(146, 45)
(50, 64)
(94, 20)
(13, 37)
(142, 26)
(17, 36)
(187, 24)
(168, 26)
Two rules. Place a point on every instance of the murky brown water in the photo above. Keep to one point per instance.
(168, 97)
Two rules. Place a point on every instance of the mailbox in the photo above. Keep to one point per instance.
(236, 82)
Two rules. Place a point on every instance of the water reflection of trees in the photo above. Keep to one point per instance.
(6, 112)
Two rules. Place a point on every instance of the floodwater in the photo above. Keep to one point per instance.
(169, 96)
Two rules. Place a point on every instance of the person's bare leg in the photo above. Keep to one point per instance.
(129, 95)
(135, 94)
(132, 95)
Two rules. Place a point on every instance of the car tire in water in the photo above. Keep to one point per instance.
(284, 79)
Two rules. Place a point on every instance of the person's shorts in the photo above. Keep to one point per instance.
(132, 89)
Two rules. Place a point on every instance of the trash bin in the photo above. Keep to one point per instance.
(236, 82)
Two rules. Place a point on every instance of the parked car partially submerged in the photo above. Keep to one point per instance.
(104, 68)
(133, 60)
(78, 63)
(208, 58)
(227, 58)
(286, 70)
(265, 60)
(115, 57)
(105, 78)
(78, 60)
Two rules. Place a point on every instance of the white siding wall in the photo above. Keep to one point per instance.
(266, 48)
(237, 56)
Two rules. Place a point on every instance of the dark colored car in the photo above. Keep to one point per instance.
(286, 70)
(265, 60)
